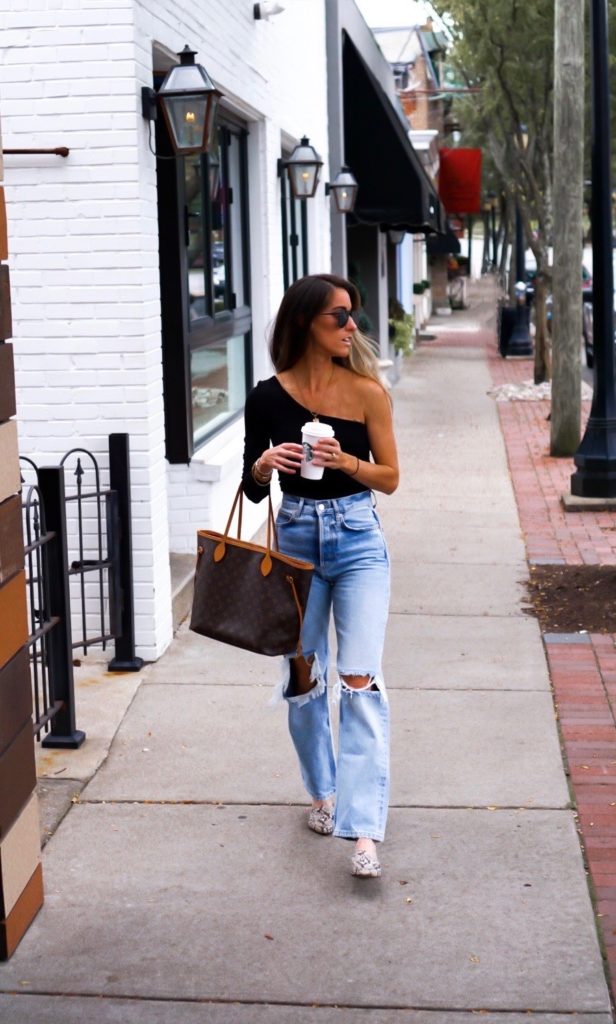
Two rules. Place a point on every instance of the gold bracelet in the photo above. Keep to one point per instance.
(355, 471)
(258, 477)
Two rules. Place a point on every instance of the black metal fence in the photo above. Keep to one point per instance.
(79, 571)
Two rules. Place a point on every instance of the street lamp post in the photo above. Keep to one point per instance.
(595, 458)
(520, 263)
(492, 199)
(520, 342)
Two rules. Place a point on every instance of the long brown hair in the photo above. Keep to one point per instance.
(307, 297)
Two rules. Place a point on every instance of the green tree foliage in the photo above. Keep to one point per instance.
(506, 50)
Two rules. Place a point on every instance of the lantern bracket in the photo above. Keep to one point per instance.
(149, 109)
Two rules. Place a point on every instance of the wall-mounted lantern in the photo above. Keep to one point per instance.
(303, 168)
(189, 103)
(344, 190)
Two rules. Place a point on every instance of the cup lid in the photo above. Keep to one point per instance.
(318, 429)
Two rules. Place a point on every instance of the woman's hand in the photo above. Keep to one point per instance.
(286, 458)
(328, 453)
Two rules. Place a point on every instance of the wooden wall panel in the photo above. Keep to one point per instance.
(6, 320)
(4, 235)
(17, 778)
(13, 617)
(12, 929)
(10, 478)
(21, 874)
(15, 697)
(11, 538)
(20, 853)
(7, 383)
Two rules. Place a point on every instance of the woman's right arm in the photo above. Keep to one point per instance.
(285, 458)
(256, 441)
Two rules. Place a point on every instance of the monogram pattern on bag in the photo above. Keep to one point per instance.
(235, 603)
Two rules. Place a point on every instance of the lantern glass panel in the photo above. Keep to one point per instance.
(186, 78)
(303, 179)
(344, 196)
(186, 116)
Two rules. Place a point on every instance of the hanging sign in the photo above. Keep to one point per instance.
(460, 180)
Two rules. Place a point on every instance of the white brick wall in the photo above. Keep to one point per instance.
(274, 74)
(84, 236)
(84, 260)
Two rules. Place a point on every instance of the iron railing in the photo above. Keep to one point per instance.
(49, 643)
(79, 571)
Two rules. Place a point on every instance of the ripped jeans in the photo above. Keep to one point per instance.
(344, 540)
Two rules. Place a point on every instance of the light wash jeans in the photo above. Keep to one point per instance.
(344, 540)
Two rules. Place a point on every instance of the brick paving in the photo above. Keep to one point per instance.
(582, 666)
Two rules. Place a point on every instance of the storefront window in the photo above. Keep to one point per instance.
(205, 291)
(193, 186)
(218, 384)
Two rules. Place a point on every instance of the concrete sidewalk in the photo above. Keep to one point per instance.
(184, 886)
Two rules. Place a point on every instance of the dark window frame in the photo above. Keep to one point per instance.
(290, 237)
(180, 335)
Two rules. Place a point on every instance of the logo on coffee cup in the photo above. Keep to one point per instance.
(308, 451)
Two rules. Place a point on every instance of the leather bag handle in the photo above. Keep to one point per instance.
(221, 548)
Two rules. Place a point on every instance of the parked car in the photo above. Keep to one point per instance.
(587, 328)
(531, 273)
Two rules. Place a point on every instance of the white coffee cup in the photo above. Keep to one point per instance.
(311, 433)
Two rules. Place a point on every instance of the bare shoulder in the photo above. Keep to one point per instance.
(374, 397)
(364, 387)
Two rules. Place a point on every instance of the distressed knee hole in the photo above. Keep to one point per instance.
(301, 677)
(357, 682)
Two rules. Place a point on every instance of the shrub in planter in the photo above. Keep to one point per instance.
(419, 288)
(401, 327)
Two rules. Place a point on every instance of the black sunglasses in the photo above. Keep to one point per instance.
(342, 316)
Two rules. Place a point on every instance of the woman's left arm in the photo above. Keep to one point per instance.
(382, 474)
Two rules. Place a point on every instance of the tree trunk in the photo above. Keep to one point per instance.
(543, 355)
(568, 202)
(504, 241)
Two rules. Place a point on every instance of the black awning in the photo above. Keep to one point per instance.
(394, 189)
(443, 245)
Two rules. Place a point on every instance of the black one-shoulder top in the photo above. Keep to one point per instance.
(272, 416)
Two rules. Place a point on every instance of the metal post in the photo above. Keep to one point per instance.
(520, 343)
(596, 456)
(59, 639)
(520, 267)
(485, 259)
(119, 481)
(470, 246)
(494, 237)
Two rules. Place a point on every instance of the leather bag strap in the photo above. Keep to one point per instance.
(291, 583)
(221, 548)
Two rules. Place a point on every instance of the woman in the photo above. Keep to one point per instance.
(327, 371)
